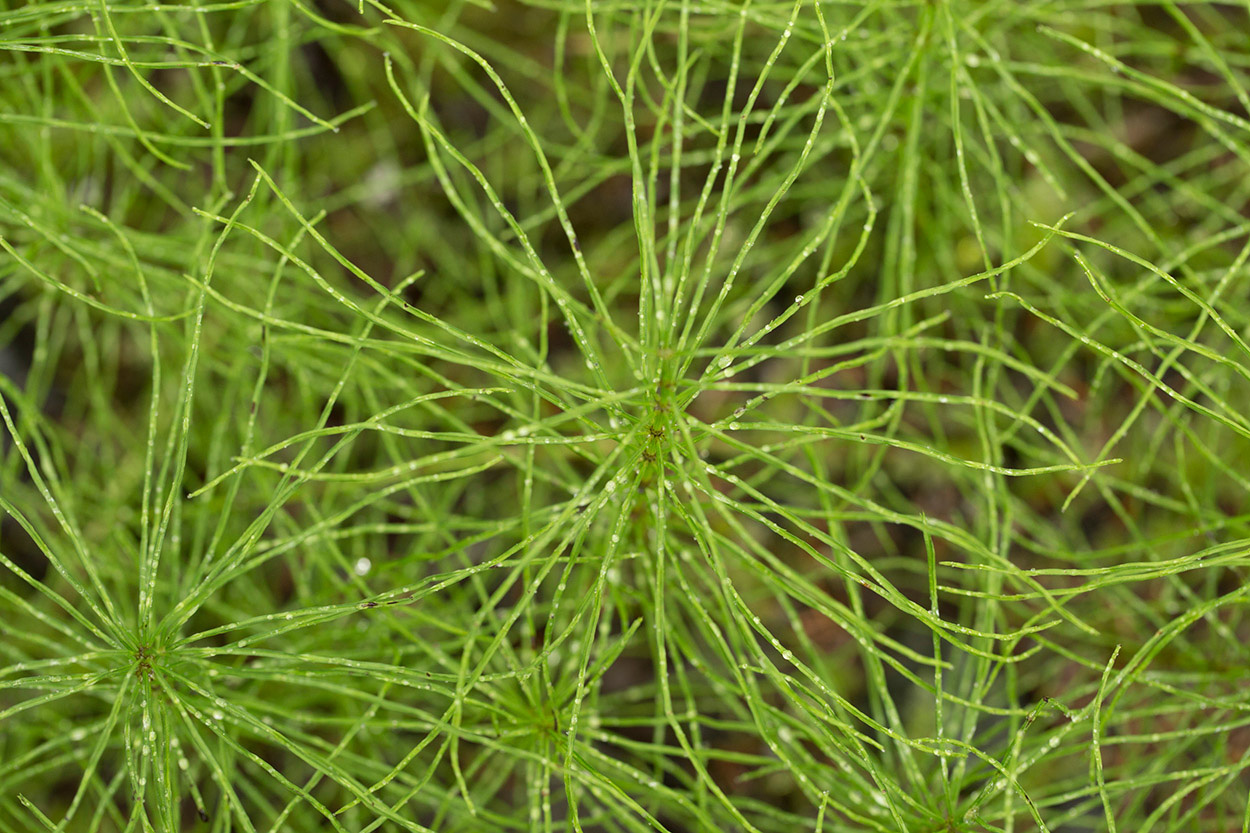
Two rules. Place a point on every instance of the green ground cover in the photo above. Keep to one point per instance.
(624, 415)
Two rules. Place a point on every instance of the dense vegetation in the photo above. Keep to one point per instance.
(617, 415)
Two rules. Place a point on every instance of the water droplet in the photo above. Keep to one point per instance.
(362, 566)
